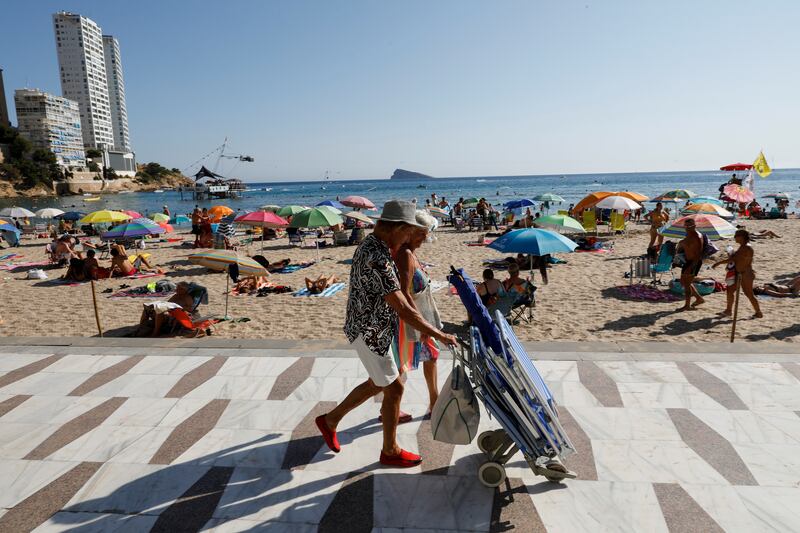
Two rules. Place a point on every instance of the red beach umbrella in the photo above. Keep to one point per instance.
(737, 193)
(132, 214)
(265, 219)
(736, 166)
(358, 202)
(167, 227)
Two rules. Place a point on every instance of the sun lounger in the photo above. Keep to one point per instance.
(617, 222)
(330, 291)
(198, 327)
(513, 393)
(589, 221)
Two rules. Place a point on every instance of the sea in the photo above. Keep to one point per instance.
(496, 189)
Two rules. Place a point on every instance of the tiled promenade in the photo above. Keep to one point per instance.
(123, 435)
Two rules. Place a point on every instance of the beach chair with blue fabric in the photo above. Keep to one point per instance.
(666, 256)
(513, 393)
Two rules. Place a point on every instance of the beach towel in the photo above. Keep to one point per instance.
(128, 294)
(595, 250)
(29, 264)
(330, 291)
(437, 285)
(9, 256)
(288, 269)
(484, 243)
(646, 292)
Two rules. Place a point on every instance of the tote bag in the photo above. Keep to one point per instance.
(456, 415)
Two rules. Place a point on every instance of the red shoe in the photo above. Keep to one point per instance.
(403, 459)
(402, 419)
(328, 434)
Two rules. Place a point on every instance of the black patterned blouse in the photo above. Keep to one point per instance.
(372, 276)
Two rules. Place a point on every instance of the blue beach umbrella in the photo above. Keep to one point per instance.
(704, 200)
(9, 227)
(533, 241)
(519, 204)
(180, 219)
(331, 203)
(70, 216)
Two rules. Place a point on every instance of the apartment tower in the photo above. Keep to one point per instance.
(116, 93)
(51, 122)
(81, 61)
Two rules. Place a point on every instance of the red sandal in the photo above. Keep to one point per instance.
(402, 419)
(403, 459)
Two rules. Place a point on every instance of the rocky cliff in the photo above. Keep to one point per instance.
(400, 174)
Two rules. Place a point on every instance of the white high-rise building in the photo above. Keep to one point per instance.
(51, 122)
(116, 93)
(81, 60)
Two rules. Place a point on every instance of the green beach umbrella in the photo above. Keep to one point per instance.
(561, 223)
(315, 218)
(330, 208)
(160, 217)
(290, 210)
(469, 202)
(675, 194)
(548, 197)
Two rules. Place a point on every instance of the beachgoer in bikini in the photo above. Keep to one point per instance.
(490, 289)
(316, 286)
(780, 290)
(692, 248)
(658, 217)
(741, 266)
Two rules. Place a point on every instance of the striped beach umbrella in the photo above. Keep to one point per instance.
(675, 194)
(707, 209)
(712, 226)
(438, 212)
(132, 230)
(548, 197)
(704, 200)
(220, 260)
(779, 196)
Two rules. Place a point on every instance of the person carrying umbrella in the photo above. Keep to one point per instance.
(374, 305)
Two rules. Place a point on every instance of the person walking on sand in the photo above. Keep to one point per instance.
(374, 304)
(657, 219)
(692, 248)
(740, 267)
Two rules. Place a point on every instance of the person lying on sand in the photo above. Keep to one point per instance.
(320, 284)
(250, 284)
(271, 267)
(122, 267)
(780, 290)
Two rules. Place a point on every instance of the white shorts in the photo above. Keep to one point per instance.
(381, 369)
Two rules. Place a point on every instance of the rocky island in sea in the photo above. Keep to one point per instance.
(407, 175)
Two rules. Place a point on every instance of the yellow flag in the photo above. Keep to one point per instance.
(761, 166)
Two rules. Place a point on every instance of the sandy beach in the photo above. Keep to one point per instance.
(579, 304)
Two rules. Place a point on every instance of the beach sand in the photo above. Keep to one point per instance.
(579, 304)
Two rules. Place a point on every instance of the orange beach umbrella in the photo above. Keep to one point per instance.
(594, 198)
(218, 211)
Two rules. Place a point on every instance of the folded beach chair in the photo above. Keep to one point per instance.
(590, 221)
(641, 269)
(513, 393)
(666, 256)
(476, 223)
(617, 222)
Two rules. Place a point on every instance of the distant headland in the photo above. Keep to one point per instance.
(407, 175)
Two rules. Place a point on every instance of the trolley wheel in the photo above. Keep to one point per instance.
(489, 441)
(491, 474)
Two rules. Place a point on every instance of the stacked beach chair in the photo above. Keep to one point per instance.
(512, 392)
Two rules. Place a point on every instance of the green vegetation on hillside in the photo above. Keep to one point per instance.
(26, 166)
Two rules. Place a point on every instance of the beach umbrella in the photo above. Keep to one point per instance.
(132, 214)
(712, 226)
(3, 221)
(617, 203)
(676, 194)
(736, 166)
(704, 200)
(104, 216)
(262, 219)
(779, 196)
(218, 211)
(548, 197)
(519, 204)
(533, 241)
(167, 227)
(132, 230)
(470, 202)
(737, 193)
(9, 227)
(181, 219)
(159, 217)
(331, 203)
(438, 212)
(358, 202)
(71, 216)
(290, 210)
(560, 223)
(49, 212)
(270, 207)
(358, 215)
(221, 259)
(316, 217)
(707, 209)
(592, 199)
(330, 209)
(17, 212)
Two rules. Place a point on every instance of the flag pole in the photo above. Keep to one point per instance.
(736, 305)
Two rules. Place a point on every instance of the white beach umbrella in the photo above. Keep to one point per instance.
(17, 212)
(618, 203)
(49, 212)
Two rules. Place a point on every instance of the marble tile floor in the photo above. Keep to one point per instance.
(197, 441)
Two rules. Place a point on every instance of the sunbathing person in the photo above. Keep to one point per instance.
(155, 315)
(64, 251)
(320, 284)
(490, 289)
(764, 234)
(780, 290)
(249, 284)
(271, 267)
(92, 268)
(75, 271)
(121, 265)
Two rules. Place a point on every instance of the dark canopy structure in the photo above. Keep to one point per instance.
(205, 173)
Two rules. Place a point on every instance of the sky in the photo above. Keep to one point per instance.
(448, 88)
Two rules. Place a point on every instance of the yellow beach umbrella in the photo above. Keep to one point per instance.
(104, 216)
(160, 217)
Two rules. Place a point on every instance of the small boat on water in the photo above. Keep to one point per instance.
(93, 199)
(158, 190)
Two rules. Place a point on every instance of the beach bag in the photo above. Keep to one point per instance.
(455, 416)
(427, 308)
(37, 273)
